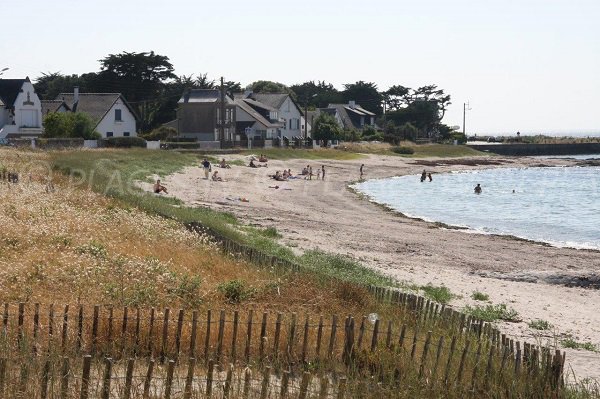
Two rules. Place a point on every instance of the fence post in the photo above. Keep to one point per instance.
(291, 337)
(64, 378)
(106, 378)
(305, 339)
(332, 336)
(424, 355)
(227, 386)
(65, 328)
(178, 333)
(476, 366)
(361, 332)
(129, 378)
(21, 317)
(124, 328)
(324, 388)
(165, 336)
(414, 343)
(192, 350)
(388, 338)
(236, 320)
(80, 328)
(263, 336)
(277, 333)
(375, 336)
(137, 330)
(45, 377)
(437, 358)
(349, 341)
(189, 380)
(209, 377)
(151, 333)
(207, 337)
(169, 381)
(220, 335)
(463, 359)
(85, 377)
(246, 389)
(36, 327)
(248, 336)
(148, 379)
(95, 330)
(304, 385)
(319, 337)
(110, 329)
(264, 390)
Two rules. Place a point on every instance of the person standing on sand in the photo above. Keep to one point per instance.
(310, 172)
(323, 171)
(206, 167)
(429, 176)
(477, 189)
(361, 170)
(318, 174)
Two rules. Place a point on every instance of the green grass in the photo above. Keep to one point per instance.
(288, 153)
(480, 296)
(441, 294)
(492, 312)
(539, 324)
(571, 343)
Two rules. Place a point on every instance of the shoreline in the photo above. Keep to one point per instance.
(327, 215)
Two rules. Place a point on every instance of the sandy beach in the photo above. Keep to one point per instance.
(326, 215)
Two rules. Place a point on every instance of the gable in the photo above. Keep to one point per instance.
(10, 89)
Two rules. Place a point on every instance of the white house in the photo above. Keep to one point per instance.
(289, 113)
(20, 109)
(256, 120)
(113, 115)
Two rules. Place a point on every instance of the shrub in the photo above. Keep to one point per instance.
(160, 133)
(571, 343)
(480, 296)
(493, 312)
(439, 294)
(124, 142)
(186, 288)
(69, 124)
(235, 291)
(539, 324)
(403, 150)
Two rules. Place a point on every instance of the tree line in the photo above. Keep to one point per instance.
(148, 81)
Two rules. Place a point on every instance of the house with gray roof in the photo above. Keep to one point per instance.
(290, 114)
(353, 116)
(20, 109)
(112, 114)
(255, 120)
(49, 106)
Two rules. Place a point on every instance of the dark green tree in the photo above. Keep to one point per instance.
(69, 124)
(317, 95)
(365, 94)
(267, 86)
(326, 128)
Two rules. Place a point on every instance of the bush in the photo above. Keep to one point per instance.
(403, 150)
(439, 294)
(480, 296)
(491, 313)
(235, 291)
(539, 324)
(124, 142)
(69, 125)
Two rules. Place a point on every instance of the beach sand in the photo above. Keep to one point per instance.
(326, 215)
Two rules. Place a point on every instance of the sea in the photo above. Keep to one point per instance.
(555, 205)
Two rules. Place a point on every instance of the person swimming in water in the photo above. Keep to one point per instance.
(477, 189)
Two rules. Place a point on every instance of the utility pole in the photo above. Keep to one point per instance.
(465, 109)
(306, 119)
(222, 129)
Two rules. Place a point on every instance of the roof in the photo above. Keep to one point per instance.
(10, 89)
(53, 106)
(275, 100)
(243, 104)
(260, 105)
(96, 105)
(203, 96)
(343, 111)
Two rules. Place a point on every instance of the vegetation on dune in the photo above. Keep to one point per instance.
(411, 150)
(323, 153)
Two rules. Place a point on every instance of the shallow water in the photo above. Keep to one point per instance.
(558, 205)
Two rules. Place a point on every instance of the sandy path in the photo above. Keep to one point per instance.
(328, 216)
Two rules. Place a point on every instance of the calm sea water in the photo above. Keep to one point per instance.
(558, 205)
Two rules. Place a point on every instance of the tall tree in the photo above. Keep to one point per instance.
(317, 95)
(267, 86)
(365, 94)
(326, 128)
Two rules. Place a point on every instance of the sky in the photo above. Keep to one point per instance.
(531, 66)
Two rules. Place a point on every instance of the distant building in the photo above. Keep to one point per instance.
(255, 120)
(20, 109)
(199, 116)
(113, 115)
(353, 116)
(289, 113)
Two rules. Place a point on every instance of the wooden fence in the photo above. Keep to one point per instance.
(11, 177)
(463, 355)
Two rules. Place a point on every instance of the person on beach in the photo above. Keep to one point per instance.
(310, 172)
(252, 164)
(323, 172)
(159, 188)
(216, 177)
(262, 158)
(477, 189)
(429, 177)
(318, 174)
(224, 164)
(361, 170)
(206, 167)
(423, 176)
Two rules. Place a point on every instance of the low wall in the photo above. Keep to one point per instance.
(153, 145)
(539, 149)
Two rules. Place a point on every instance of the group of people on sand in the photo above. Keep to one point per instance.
(261, 159)
(307, 172)
(286, 175)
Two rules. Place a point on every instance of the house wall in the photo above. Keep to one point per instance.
(198, 120)
(28, 108)
(109, 124)
(289, 111)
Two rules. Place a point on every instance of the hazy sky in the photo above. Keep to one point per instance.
(526, 65)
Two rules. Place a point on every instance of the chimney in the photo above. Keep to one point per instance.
(75, 94)
(352, 104)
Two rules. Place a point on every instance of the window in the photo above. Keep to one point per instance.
(126, 134)
(109, 134)
(118, 115)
